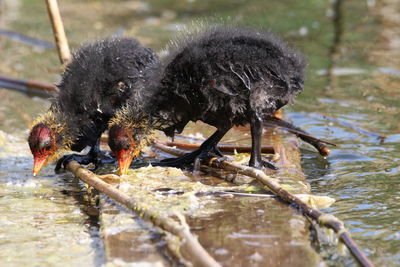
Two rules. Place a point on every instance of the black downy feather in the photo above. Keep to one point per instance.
(223, 76)
(98, 81)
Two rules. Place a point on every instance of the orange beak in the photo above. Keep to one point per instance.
(124, 161)
(39, 162)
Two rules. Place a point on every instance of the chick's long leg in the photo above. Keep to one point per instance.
(95, 155)
(208, 147)
(256, 160)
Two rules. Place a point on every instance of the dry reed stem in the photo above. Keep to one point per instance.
(59, 33)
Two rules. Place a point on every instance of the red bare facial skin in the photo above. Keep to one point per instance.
(42, 144)
(123, 146)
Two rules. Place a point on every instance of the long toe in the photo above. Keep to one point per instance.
(196, 166)
(97, 163)
(63, 162)
(186, 159)
(257, 165)
(107, 155)
(269, 165)
(222, 159)
(260, 164)
(213, 153)
(171, 162)
(217, 152)
(107, 161)
(81, 159)
(168, 160)
(59, 163)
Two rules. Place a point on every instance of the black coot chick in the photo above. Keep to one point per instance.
(224, 76)
(98, 81)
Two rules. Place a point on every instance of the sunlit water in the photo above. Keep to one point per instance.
(361, 90)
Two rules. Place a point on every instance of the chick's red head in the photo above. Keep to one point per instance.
(123, 146)
(42, 143)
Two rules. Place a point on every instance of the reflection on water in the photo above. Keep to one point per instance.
(362, 173)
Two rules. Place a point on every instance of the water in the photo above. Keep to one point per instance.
(351, 97)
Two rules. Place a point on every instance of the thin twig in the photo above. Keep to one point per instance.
(59, 33)
(29, 84)
(322, 218)
(196, 253)
(223, 148)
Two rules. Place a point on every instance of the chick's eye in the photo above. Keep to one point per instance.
(45, 146)
(114, 100)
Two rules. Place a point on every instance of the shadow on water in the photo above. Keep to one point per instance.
(353, 51)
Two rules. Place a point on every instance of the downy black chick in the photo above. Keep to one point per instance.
(224, 76)
(98, 81)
